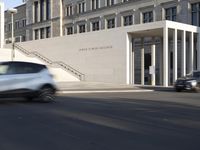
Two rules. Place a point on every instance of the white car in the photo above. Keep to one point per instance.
(26, 79)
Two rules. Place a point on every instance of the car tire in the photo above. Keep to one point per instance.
(29, 98)
(178, 90)
(47, 94)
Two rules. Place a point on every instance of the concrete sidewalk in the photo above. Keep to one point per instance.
(81, 87)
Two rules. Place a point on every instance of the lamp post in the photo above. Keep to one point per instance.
(12, 11)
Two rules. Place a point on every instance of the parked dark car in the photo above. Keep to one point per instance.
(189, 82)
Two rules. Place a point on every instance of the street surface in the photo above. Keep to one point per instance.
(103, 121)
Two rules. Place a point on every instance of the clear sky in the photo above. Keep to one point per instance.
(11, 3)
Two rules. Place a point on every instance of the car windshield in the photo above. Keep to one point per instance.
(194, 74)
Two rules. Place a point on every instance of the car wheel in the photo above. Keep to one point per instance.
(178, 90)
(29, 98)
(197, 89)
(47, 94)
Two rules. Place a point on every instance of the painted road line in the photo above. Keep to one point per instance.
(103, 91)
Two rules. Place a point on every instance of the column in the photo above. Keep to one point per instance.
(198, 51)
(142, 62)
(161, 62)
(165, 57)
(39, 5)
(183, 54)
(153, 62)
(45, 10)
(61, 17)
(132, 61)
(128, 58)
(191, 53)
(175, 68)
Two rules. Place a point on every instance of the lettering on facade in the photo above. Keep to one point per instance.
(96, 48)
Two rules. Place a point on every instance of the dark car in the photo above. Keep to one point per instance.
(189, 82)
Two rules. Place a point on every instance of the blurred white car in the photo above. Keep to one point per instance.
(25, 79)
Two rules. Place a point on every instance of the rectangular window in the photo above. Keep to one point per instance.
(81, 7)
(42, 33)
(24, 23)
(48, 9)
(148, 17)
(48, 32)
(195, 14)
(36, 34)
(128, 20)
(42, 10)
(94, 4)
(110, 2)
(170, 14)
(69, 30)
(111, 23)
(69, 10)
(35, 11)
(17, 24)
(82, 28)
(95, 26)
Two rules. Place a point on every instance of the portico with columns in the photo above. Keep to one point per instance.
(170, 49)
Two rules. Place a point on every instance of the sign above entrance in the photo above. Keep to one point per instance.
(96, 48)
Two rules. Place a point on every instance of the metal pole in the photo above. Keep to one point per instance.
(12, 32)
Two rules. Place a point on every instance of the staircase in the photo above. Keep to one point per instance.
(51, 63)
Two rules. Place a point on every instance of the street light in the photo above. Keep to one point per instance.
(12, 11)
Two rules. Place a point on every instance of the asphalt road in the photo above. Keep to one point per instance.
(111, 121)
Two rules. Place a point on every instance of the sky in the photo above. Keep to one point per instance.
(11, 3)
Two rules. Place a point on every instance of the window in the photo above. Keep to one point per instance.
(36, 11)
(95, 26)
(48, 10)
(148, 17)
(48, 32)
(196, 14)
(110, 2)
(36, 34)
(82, 28)
(170, 14)
(81, 7)
(42, 33)
(128, 20)
(41, 10)
(94, 4)
(24, 23)
(111, 23)
(69, 10)
(9, 26)
(69, 30)
(16, 24)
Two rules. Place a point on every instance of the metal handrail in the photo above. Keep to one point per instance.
(61, 64)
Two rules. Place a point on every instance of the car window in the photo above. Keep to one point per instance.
(196, 74)
(4, 69)
(21, 68)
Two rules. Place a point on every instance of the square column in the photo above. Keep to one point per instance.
(175, 57)
(191, 53)
(198, 51)
(153, 62)
(142, 62)
(183, 54)
(161, 62)
(165, 57)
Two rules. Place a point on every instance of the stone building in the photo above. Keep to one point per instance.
(154, 41)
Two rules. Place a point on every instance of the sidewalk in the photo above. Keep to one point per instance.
(98, 87)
